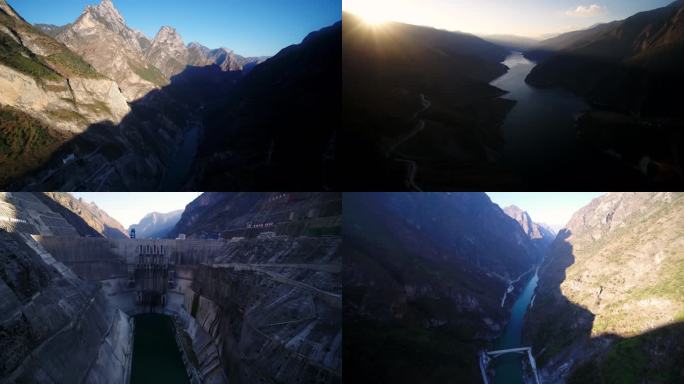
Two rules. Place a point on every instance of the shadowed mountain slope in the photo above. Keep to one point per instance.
(423, 283)
(633, 65)
(278, 126)
(417, 106)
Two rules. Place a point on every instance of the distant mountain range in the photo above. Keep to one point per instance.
(156, 225)
(632, 65)
(141, 64)
(513, 42)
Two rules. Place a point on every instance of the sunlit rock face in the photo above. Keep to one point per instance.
(613, 273)
(168, 52)
(540, 234)
(102, 38)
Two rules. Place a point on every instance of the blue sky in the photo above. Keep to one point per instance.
(129, 207)
(249, 27)
(534, 18)
(552, 208)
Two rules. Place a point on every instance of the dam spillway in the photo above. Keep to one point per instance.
(263, 304)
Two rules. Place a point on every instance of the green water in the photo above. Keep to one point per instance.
(509, 367)
(156, 358)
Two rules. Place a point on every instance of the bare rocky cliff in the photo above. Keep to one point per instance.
(168, 52)
(102, 38)
(610, 292)
(540, 234)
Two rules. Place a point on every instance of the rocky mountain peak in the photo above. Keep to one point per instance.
(168, 52)
(540, 234)
(169, 37)
(522, 217)
(107, 14)
(8, 9)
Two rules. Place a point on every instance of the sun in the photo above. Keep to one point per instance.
(373, 12)
(373, 17)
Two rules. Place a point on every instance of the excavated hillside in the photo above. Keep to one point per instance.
(262, 307)
(75, 211)
(54, 327)
(610, 300)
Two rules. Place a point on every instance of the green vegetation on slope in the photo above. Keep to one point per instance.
(61, 60)
(25, 143)
(67, 115)
(72, 65)
(621, 276)
(15, 56)
(149, 73)
(629, 361)
(98, 107)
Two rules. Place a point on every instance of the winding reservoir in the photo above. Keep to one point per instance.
(539, 131)
(156, 358)
(509, 367)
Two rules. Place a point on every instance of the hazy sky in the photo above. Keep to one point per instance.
(552, 208)
(249, 27)
(532, 18)
(129, 207)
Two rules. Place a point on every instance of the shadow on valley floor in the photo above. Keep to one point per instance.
(560, 332)
(273, 128)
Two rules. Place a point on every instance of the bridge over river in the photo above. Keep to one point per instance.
(487, 356)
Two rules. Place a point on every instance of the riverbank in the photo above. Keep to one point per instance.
(509, 368)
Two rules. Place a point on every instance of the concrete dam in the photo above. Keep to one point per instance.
(261, 306)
